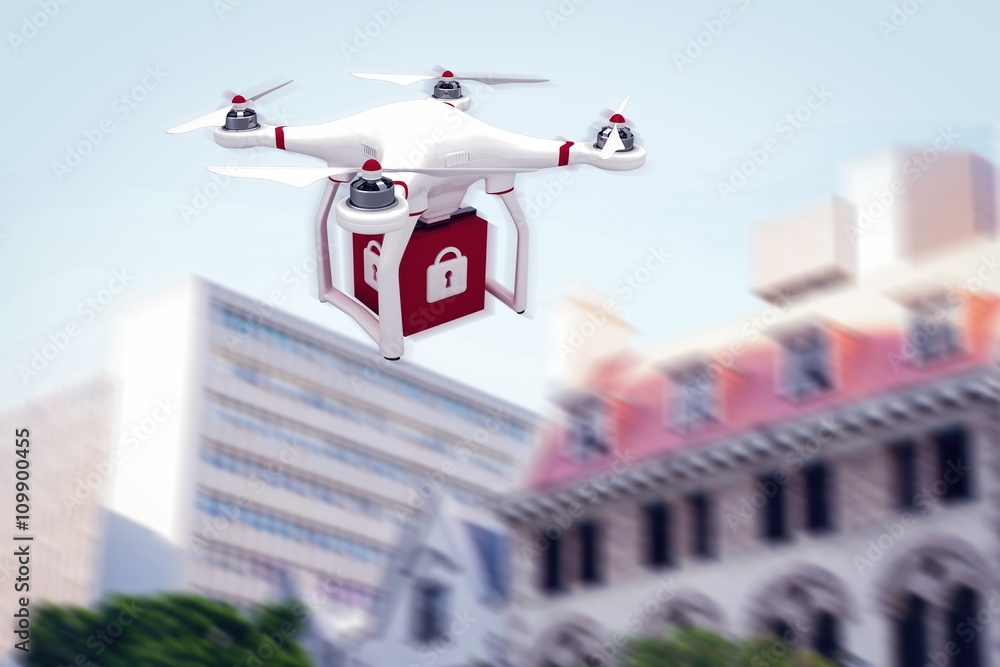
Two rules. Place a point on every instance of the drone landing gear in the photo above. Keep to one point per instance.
(387, 329)
(515, 300)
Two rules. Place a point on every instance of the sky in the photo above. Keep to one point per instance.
(102, 208)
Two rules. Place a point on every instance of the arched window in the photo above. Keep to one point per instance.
(967, 637)
(911, 633)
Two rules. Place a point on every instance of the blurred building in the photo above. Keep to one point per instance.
(825, 470)
(71, 439)
(271, 445)
(447, 600)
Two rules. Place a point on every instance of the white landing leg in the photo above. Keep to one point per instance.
(518, 299)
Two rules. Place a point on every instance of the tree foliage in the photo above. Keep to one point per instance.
(693, 647)
(166, 631)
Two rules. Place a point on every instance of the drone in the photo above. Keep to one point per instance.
(419, 255)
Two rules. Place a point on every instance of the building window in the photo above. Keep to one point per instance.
(826, 642)
(807, 367)
(954, 463)
(430, 618)
(658, 544)
(590, 552)
(817, 477)
(773, 527)
(588, 429)
(911, 634)
(552, 575)
(701, 525)
(695, 403)
(964, 608)
(904, 461)
(933, 333)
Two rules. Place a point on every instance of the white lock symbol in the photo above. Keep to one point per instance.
(447, 278)
(373, 253)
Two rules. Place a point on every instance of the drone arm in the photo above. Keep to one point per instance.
(585, 152)
(265, 135)
(325, 142)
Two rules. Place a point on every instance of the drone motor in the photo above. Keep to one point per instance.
(624, 133)
(371, 191)
(447, 88)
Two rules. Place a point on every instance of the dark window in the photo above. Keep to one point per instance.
(818, 497)
(773, 527)
(701, 525)
(825, 640)
(911, 634)
(696, 399)
(431, 612)
(658, 551)
(954, 464)
(588, 429)
(904, 458)
(590, 557)
(933, 332)
(807, 364)
(552, 576)
(965, 606)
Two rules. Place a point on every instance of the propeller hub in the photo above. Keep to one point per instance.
(617, 119)
(371, 170)
(448, 74)
(239, 99)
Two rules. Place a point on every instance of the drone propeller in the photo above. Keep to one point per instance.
(217, 118)
(447, 75)
(301, 177)
(614, 142)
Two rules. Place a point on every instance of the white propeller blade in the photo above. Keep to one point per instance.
(399, 79)
(215, 118)
(621, 107)
(298, 177)
(613, 144)
(256, 97)
(494, 80)
(408, 79)
(301, 177)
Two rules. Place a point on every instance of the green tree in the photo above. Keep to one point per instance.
(693, 647)
(165, 631)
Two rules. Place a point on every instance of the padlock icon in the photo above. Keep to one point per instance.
(447, 277)
(373, 253)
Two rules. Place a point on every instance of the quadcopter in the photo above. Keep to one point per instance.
(434, 150)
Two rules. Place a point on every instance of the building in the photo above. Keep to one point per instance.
(71, 430)
(825, 470)
(448, 594)
(270, 445)
(70, 461)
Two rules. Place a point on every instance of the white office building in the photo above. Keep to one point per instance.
(267, 444)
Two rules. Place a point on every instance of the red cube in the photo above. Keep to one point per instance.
(442, 275)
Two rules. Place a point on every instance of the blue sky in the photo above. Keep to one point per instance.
(709, 81)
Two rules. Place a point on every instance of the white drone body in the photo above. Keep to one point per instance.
(434, 151)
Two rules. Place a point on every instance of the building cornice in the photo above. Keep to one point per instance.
(870, 417)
